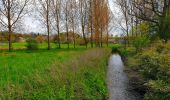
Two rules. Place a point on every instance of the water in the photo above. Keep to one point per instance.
(118, 83)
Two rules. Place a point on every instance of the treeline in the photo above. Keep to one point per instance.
(91, 18)
(146, 18)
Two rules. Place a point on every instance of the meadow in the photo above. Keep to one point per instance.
(64, 74)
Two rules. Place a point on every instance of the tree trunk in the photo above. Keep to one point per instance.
(9, 25)
(101, 37)
(91, 22)
(107, 37)
(84, 36)
(74, 36)
(48, 28)
(68, 45)
(58, 30)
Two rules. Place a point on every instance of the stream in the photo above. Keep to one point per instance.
(117, 80)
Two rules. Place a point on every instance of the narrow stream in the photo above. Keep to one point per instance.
(118, 83)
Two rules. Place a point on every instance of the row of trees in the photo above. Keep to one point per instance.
(89, 17)
(152, 14)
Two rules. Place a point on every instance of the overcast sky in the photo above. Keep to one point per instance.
(33, 25)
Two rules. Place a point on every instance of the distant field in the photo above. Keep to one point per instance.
(15, 46)
(4, 46)
(56, 74)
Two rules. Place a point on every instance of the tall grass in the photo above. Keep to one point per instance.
(56, 75)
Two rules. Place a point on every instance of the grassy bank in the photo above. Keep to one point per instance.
(149, 70)
(56, 74)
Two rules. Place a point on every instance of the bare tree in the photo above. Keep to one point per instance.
(11, 12)
(57, 16)
(124, 7)
(72, 19)
(66, 16)
(91, 21)
(44, 10)
(83, 12)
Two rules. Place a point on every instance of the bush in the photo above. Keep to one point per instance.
(155, 68)
(40, 39)
(116, 48)
(32, 44)
(80, 41)
(121, 50)
(140, 42)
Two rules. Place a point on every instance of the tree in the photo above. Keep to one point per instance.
(124, 7)
(44, 11)
(72, 18)
(83, 13)
(101, 17)
(91, 21)
(11, 12)
(153, 11)
(66, 17)
(57, 16)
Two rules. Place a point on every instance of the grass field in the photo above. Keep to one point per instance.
(63, 74)
(44, 46)
(40, 46)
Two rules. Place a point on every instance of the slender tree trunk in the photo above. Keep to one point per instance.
(48, 28)
(107, 37)
(127, 33)
(66, 19)
(91, 23)
(74, 36)
(91, 34)
(132, 27)
(68, 45)
(136, 26)
(9, 25)
(58, 30)
(84, 36)
(101, 37)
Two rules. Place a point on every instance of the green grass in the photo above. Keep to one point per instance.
(40, 46)
(64, 74)
(45, 45)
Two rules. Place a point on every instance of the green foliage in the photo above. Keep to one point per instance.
(116, 48)
(32, 44)
(124, 52)
(140, 42)
(155, 68)
(160, 90)
(160, 48)
(164, 31)
(144, 28)
(152, 68)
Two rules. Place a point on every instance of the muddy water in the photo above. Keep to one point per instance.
(118, 82)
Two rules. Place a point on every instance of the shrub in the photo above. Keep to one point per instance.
(80, 41)
(155, 68)
(121, 50)
(40, 39)
(116, 48)
(140, 42)
(160, 48)
(32, 44)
